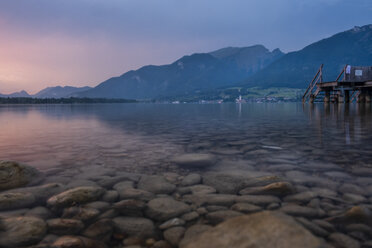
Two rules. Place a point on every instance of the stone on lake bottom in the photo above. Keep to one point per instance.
(14, 175)
(101, 230)
(193, 232)
(162, 209)
(135, 227)
(278, 189)
(156, 185)
(343, 241)
(138, 194)
(265, 230)
(302, 211)
(191, 179)
(77, 242)
(76, 196)
(195, 160)
(61, 226)
(245, 208)
(219, 216)
(174, 235)
(21, 231)
(171, 223)
(11, 201)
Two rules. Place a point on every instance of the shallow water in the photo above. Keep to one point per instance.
(276, 138)
(311, 162)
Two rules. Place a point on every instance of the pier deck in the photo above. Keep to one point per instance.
(356, 85)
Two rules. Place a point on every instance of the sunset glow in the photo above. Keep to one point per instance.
(79, 43)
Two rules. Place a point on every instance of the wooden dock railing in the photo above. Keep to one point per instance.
(317, 78)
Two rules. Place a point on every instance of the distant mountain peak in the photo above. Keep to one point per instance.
(296, 69)
(362, 28)
(190, 73)
(60, 91)
(231, 51)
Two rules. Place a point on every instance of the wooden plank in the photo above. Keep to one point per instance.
(328, 84)
(343, 70)
(312, 81)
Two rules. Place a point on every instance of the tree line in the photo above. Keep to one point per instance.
(70, 100)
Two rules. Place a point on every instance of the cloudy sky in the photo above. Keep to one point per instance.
(83, 42)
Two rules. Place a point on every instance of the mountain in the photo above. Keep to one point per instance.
(16, 94)
(199, 71)
(296, 69)
(50, 92)
(59, 92)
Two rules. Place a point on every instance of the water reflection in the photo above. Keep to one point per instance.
(144, 136)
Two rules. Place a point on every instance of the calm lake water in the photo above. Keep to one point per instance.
(278, 138)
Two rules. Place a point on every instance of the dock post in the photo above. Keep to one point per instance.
(368, 96)
(312, 98)
(340, 97)
(327, 96)
(361, 97)
(347, 96)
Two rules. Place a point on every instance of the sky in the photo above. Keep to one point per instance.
(84, 42)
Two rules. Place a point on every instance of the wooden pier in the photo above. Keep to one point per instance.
(354, 83)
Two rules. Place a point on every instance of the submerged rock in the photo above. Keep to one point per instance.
(135, 227)
(77, 242)
(76, 196)
(100, 230)
(156, 185)
(21, 231)
(195, 160)
(14, 175)
(265, 230)
(261, 200)
(210, 199)
(219, 216)
(162, 209)
(40, 212)
(41, 192)
(61, 226)
(130, 207)
(302, 211)
(192, 233)
(246, 208)
(80, 213)
(356, 214)
(191, 179)
(343, 241)
(174, 235)
(278, 189)
(139, 194)
(224, 183)
(172, 223)
(10, 201)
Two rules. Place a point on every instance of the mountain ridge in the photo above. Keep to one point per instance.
(49, 92)
(199, 71)
(296, 69)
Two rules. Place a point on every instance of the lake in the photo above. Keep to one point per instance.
(118, 165)
(142, 137)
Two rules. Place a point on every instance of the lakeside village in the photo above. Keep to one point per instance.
(240, 99)
(239, 95)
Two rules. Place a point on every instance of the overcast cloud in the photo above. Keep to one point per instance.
(83, 42)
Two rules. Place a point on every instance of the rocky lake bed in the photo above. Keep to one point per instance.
(312, 205)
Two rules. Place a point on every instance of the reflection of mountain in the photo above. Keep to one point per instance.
(201, 71)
